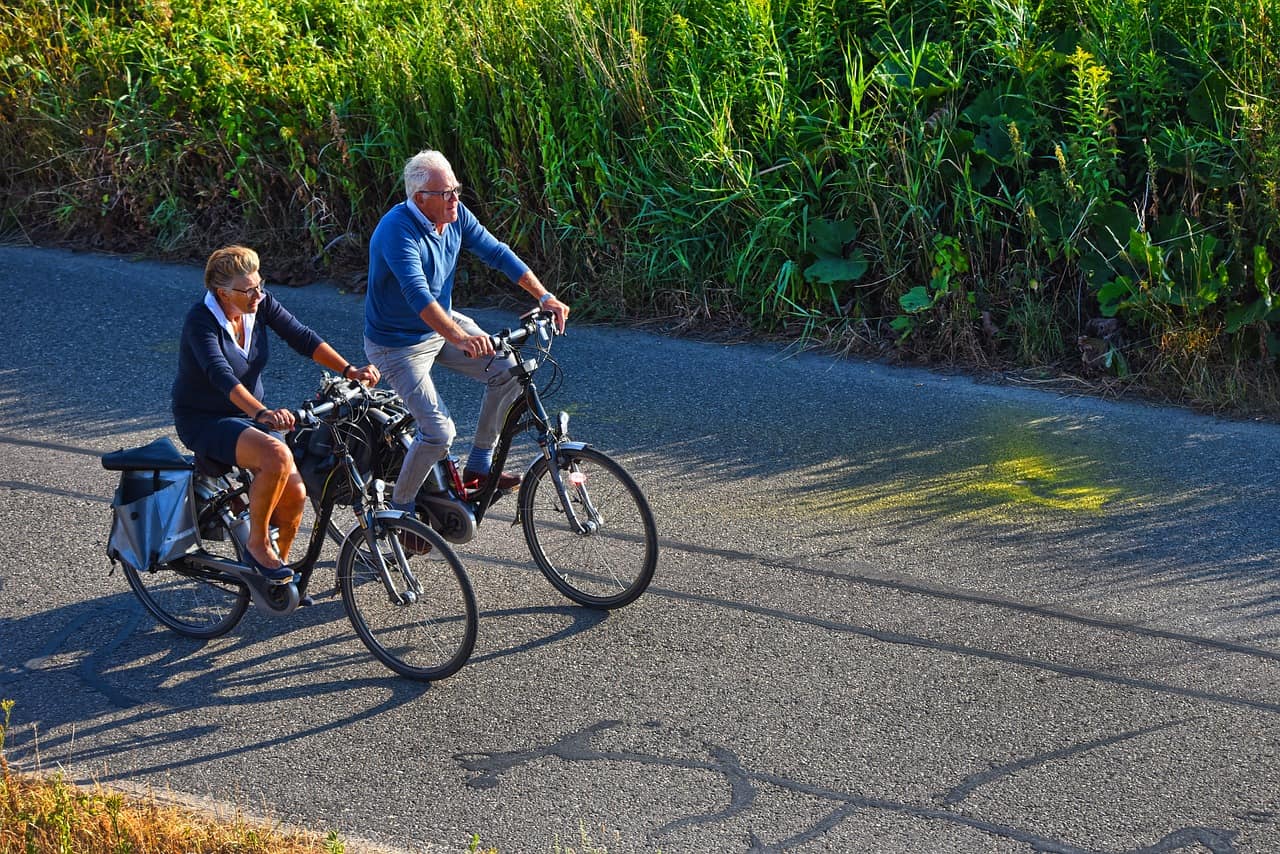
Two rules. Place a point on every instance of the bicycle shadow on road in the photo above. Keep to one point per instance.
(99, 679)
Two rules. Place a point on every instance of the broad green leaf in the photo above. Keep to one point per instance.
(1113, 295)
(1147, 259)
(993, 141)
(1262, 273)
(1206, 103)
(1111, 226)
(1116, 362)
(929, 77)
(916, 300)
(1239, 316)
(828, 238)
(903, 325)
(830, 271)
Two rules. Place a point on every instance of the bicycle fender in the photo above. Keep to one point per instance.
(571, 446)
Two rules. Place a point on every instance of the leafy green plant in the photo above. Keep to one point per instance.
(950, 263)
(677, 158)
(837, 263)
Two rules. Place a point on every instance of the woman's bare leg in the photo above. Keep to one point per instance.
(271, 464)
(288, 513)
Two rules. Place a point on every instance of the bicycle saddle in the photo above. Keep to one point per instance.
(160, 455)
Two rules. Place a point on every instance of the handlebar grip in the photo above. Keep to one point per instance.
(311, 413)
(509, 339)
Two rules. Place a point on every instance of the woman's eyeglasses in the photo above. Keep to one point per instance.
(257, 292)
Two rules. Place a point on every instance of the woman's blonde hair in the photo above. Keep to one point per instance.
(228, 263)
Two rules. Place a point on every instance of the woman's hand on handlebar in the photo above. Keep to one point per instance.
(280, 420)
(369, 375)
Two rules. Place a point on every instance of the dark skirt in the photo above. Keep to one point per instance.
(214, 438)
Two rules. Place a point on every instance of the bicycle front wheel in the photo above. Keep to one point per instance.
(193, 601)
(608, 560)
(417, 613)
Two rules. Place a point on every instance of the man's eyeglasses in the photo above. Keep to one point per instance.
(257, 292)
(451, 193)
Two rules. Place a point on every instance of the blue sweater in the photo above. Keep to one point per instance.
(410, 267)
(210, 365)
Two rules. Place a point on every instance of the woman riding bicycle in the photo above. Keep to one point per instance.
(217, 396)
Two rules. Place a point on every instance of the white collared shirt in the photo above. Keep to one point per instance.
(211, 303)
(421, 218)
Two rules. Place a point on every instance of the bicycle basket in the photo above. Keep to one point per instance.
(314, 456)
(153, 518)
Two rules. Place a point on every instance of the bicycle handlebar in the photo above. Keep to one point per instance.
(509, 339)
(337, 393)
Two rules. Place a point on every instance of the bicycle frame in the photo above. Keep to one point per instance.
(265, 595)
(550, 440)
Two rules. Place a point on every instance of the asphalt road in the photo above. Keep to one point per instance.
(895, 612)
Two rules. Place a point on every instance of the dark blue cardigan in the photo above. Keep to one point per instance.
(210, 366)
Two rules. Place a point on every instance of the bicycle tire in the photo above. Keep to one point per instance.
(194, 602)
(428, 639)
(609, 567)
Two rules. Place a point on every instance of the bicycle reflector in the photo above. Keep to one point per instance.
(577, 478)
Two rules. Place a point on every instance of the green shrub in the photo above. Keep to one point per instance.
(916, 175)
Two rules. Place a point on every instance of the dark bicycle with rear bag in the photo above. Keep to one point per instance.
(179, 528)
(179, 525)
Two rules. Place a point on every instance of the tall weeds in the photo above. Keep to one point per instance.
(990, 181)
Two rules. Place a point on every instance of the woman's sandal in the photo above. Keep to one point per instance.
(282, 574)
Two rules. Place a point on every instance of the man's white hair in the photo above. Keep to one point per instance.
(420, 168)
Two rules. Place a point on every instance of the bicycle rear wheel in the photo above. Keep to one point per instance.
(611, 563)
(425, 626)
(193, 601)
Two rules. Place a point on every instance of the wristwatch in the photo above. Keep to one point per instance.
(542, 300)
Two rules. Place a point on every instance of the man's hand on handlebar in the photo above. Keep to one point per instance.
(476, 346)
(559, 311)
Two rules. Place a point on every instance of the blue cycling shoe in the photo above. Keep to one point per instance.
(282, 574)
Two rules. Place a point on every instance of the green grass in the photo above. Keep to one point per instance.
(791, 166)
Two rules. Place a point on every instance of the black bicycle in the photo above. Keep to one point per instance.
(586, 521)
(417, 616)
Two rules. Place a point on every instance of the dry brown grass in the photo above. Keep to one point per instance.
(46, 814)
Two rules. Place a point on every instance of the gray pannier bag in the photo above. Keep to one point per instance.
(154, 506)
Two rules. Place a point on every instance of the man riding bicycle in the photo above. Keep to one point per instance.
(410, 323)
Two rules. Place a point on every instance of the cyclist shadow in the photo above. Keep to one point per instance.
(100, 680)
(579, 620)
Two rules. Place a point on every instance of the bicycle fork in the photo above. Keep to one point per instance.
(368, 516)
(576, 481)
